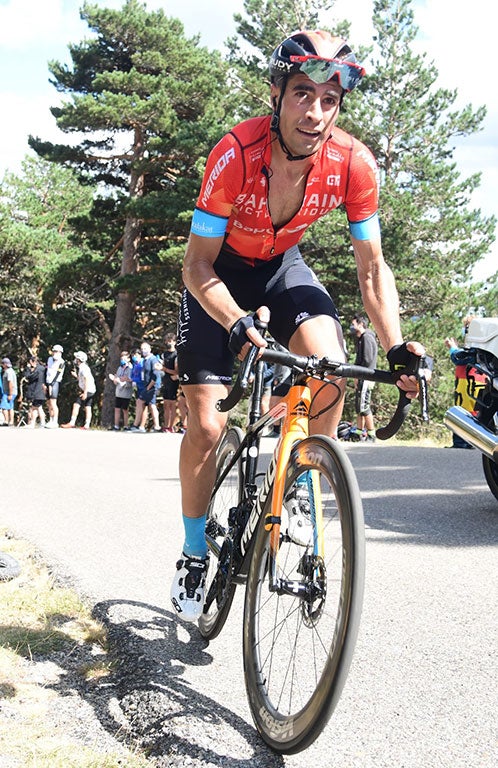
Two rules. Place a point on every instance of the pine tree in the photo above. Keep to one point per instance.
(144, 97)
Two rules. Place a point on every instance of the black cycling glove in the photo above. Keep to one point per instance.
(400, 359)
(238, 337)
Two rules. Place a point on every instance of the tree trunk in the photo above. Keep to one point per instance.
(125, 301)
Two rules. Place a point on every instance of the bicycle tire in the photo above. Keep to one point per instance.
(297, 654)
(228, 495)
(9, 567)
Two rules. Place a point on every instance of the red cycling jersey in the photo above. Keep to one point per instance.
(236, 181)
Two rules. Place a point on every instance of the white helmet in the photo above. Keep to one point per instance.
(81, 356)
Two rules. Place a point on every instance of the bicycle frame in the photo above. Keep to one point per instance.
(293, 409)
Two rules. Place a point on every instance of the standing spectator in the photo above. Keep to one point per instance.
(147, 393)
(124, 389)
(468, 381)
(137, 382)
(86, 383)
(34, 376)
(9, 386)
(169, 388)
(182, 411)
(53, 378)
(366, 355)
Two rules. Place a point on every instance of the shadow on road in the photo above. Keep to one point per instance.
(153, 704)
(444, 502)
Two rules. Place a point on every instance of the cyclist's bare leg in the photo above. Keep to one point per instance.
(322, 336)
(198, 448)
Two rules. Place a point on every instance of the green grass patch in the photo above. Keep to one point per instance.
(41, 621)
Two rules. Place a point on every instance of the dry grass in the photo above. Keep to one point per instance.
(40, 624)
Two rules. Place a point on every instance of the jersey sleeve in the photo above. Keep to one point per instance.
(362, 197)
(222, 179)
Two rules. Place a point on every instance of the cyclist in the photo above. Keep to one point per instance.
(264, 183)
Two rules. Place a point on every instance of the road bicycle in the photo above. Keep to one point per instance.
(294, 535)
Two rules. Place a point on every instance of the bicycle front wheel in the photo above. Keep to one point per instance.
(299, 639)
(219, 587)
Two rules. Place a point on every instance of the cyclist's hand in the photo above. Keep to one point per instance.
(399, 358)
(244, 332)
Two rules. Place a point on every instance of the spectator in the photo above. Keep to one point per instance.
(137, 382)
(9, 386)
(468, 381)
(147, 393)
(182, 411)
(366, 356)
(34, 376)
(169, 388)
(53, 377)
(124, 388)
(86, 383)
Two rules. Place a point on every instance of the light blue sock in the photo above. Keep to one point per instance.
(302, 480)
(195, 538)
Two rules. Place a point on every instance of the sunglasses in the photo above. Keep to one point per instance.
(321, 70)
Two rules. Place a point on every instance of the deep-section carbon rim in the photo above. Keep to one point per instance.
(297, 650)
(228, 495)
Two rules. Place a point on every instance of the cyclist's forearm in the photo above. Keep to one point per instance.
(379, 294)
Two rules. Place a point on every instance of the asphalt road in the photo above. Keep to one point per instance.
(422, 691)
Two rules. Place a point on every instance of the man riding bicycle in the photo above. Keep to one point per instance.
(265, 182)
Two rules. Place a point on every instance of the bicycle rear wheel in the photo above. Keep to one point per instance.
(298, 649)
(219, 587)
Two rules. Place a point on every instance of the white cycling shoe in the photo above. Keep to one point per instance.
(299, 525)
(187, 589)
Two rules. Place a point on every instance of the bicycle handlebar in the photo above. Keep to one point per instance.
(312, 366)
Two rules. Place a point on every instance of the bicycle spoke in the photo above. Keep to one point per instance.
(302, 633)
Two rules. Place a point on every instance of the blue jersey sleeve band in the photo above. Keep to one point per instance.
(369, 229)
(207, 224)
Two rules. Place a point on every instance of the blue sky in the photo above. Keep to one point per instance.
(461, 41)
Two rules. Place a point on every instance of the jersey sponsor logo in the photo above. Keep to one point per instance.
(251, 205)
(316, 204)
(200, 228)
(334, 154)
(334, 180)
(255, 155)
(370, 161)
(215, 173)
(253, 230)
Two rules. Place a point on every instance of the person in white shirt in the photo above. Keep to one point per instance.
(53, 378)
(86, 383)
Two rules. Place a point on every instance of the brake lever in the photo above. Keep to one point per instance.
(413, 368)
(242, 381)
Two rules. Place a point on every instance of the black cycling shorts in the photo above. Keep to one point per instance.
(285, 285)
(169, 389)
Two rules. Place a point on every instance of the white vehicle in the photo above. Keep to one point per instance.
(481, 430)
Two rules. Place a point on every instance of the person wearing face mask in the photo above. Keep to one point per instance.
(53, 377)
(123, 392)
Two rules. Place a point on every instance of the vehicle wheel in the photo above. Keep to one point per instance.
(298, 649)
(491, 474)
(9, 567)
(219, 587)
